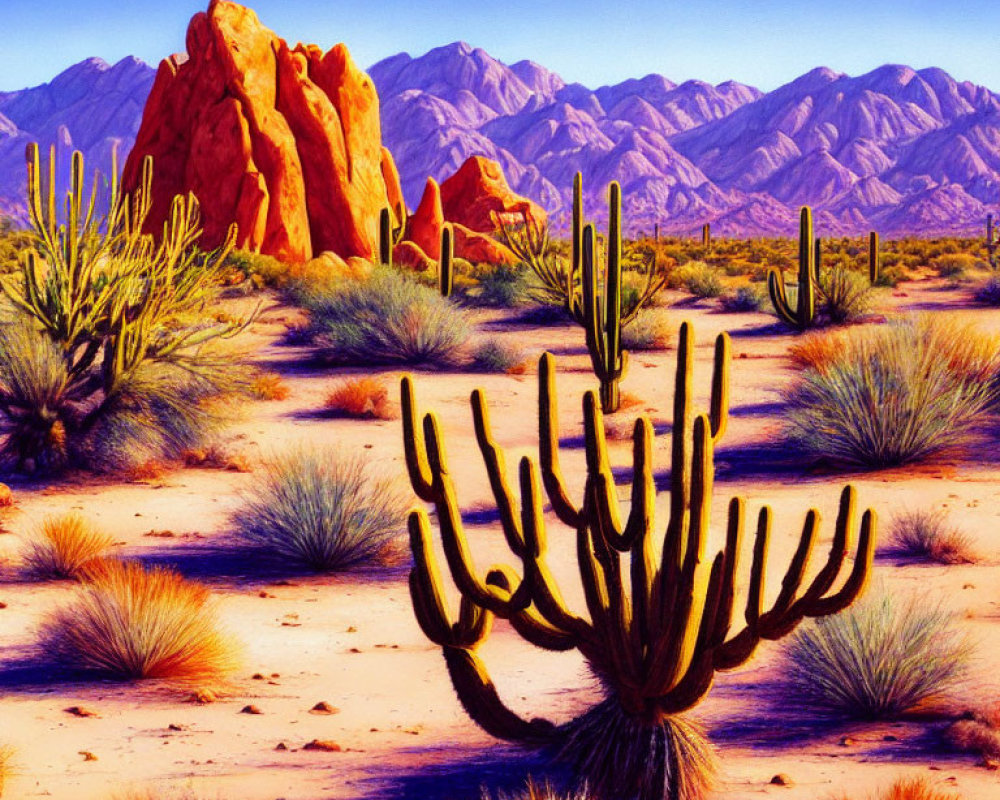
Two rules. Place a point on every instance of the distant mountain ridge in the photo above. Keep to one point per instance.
(898, 150)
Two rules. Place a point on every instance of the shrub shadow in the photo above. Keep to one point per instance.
(767, 329)
(502, 768)
(231, 562)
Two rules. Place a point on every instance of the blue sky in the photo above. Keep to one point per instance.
(761, 42)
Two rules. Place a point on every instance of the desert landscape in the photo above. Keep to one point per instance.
(340, 465)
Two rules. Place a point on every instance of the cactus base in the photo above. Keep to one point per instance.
(619, 757)
(611, 397)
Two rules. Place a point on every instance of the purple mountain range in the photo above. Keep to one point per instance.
(896, 150)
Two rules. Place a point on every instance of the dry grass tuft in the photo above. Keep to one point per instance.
(129, 622)
(6, 765)
(269, 386)
(537, 791)
(912, 789)
(927, 535)
(65, 547)
(978, 732)
(363, 397)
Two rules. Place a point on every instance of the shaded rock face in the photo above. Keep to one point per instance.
(285, 142)
(477, 191)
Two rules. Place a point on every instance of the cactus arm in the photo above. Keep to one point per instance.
(779, 297)
(727, 598)
(548, 444)
(772, 621)
(808, 270)
(496, 470)
(576, 244)
(479, 697)
(613, 290)
(858, 578)
(414, 447)
(719, 403)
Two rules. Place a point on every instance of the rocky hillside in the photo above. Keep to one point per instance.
(93, 107)
(903, 151)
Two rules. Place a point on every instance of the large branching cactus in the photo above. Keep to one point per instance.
(112, 299)
(658, 622)
(803, 315)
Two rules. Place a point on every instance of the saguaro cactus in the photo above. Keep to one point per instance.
(602, 312)
(991, 242)
(446, 276)
(656, 629)
(804, 313)
(706, 235)
(873, 258)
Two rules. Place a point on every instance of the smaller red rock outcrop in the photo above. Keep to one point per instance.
(423, 228)
(477, 191)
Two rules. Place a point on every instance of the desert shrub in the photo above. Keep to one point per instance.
(697, 278)
(130, 622)
(14, 243)
(496, 355)
(364, 397)
(260, 269)
(876, 660)
(6, 765)
(65, 547)
(648, 331)
(269, 386)
(387, 318)
(892, 394)
(976, 731)
(926, 534)
(989, 293)
(322, 511)
(844, 296)
(912, 789)
(126, 317)
(955, 264)
(745, 299)
(503, 286)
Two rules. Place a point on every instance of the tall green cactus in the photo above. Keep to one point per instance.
(602, 311)
(706, 235)
(446, 268)
(655, 631)
(991, 243)
(804, 313)
(874, 262)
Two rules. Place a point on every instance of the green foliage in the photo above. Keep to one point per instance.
(927, 535)
(876, 660)
(14, 244)
(894, 394)
(323, 511)
(696, 277)
(844, 296)
(650, 330)
(386, 318)
(496, 355)
(745, 299)
(114, 304)
(951, 265)
(262, 270)
(502, 286)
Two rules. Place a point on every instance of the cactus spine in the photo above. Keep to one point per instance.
(446, 276)
(804, 313)
(874, 262)
(655, 629)
(602, 312)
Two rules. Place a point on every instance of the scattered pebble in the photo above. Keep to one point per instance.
(88, 756)
(781, 779)
(251, 709)
(324, 707)
(324, 745)
(81, 711)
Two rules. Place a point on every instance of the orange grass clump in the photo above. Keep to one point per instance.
(269, 386)
(913, 789)
(66, 547)
(364, 397)
(129, 622)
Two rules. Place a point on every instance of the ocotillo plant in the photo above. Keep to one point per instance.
(654, 630)
(804, 313)
(873, 258)
(991, 243)
(111, 299)
(446, 277)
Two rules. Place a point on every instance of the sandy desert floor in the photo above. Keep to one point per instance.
(351, 639)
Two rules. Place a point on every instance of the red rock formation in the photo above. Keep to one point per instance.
(478, 190)
(423, 228)
(408, 254)
(285, 142)
(480, 248)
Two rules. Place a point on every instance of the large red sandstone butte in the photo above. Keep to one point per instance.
(284, 141)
